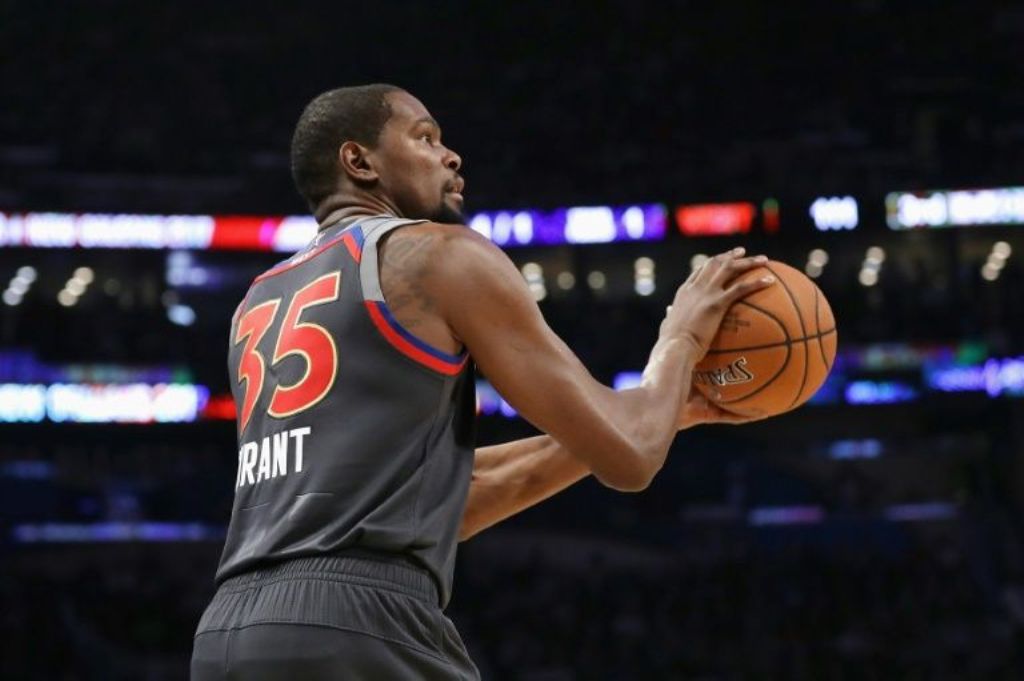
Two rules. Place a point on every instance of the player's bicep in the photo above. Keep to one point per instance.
(492, 311)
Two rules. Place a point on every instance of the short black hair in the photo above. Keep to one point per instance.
(356, 113)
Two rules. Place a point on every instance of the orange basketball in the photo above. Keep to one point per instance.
(774, 348)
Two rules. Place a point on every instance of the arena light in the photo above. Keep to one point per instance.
(133, 403)
(22, 403)
(846, 450)
(927, 511)
(872, 265)
(566, 280)
(25, 367)
(818, 256)
(643, 276)
(875, 254)
(996, 261)
(868, 277)
(597, 280)
(75, 286)
(816, 261)
(995, 376)
(220, 408)
(577, 225)
(182, 315)
(770, 219)
(28, 470)
(834, 213)
(84, 274)
(182, 271)
(107, 230)
(532, 270)
(574, 225)
(101, 403)
(785, 515)
(534, 276)
(62, 533)
(716, 219)
(626, 380)
(644, 286)
(962, 208)
(490, 403)
(879, 392)
(19, 286)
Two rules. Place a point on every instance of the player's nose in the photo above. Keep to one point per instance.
(452, 161)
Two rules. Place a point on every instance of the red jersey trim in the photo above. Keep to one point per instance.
(355, 248)
(409, 345)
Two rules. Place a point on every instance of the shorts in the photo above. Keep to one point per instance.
(338, 618)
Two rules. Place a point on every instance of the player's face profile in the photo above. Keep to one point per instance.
(416, 169)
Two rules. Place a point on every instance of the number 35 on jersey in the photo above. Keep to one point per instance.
(311, 342)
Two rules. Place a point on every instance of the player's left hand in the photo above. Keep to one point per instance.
(697, 409)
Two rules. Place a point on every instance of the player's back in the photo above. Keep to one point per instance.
(353, 434)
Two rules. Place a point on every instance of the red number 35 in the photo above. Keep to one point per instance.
(305, 339)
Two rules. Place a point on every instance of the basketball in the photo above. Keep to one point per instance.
(774, 349)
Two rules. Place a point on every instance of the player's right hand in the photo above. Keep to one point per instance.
(703, 299)
(697, 409)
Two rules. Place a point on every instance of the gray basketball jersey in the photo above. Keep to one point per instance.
(353, 434)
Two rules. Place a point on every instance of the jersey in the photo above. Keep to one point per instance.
(353, 434)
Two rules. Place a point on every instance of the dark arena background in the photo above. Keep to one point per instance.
(875, 533)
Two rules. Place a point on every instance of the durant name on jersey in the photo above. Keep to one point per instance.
(270, 457)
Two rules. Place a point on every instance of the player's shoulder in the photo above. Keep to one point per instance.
(449, 243)
(447, 256)
(447, 232)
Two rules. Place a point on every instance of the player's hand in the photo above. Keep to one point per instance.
(703, 299)
(697, 409)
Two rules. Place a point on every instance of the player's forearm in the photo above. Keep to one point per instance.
(647, 417)
(514, 476)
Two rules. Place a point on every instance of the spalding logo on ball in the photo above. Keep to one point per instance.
(736, 372)
(774, 348)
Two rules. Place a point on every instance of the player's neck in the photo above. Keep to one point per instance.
(339, 207)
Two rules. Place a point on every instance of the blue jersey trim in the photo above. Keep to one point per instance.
(425, 347)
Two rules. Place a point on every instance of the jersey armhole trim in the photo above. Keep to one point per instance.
(353, 240)
(411, 346)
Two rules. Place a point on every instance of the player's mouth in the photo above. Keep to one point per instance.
(455, 188)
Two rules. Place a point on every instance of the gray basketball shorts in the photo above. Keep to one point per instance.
(337, 618)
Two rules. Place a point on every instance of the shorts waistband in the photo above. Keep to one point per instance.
(396, 574)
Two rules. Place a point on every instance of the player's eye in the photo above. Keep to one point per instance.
(428, 137)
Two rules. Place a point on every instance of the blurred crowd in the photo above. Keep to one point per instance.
(786, 613)
(925, 295)
(782, 610)
(674, 583)
(547, 104)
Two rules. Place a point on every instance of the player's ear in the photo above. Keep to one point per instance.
(355, 162)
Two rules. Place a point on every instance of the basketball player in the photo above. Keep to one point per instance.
(352, 369)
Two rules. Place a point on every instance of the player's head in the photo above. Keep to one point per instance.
(377, 140)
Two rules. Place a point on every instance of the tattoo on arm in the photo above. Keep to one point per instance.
(403, 263)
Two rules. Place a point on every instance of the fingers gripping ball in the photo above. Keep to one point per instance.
(774, 348)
